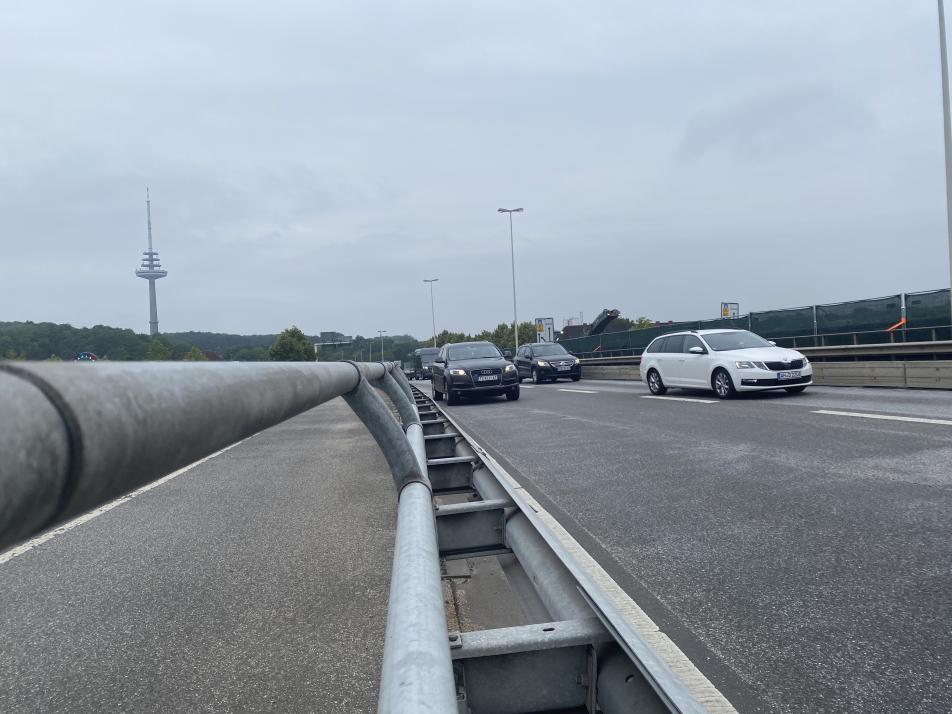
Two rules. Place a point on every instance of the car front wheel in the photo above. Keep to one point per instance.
(655, 385)
(437, 394)
(451, 397)
(723, 384)
(512, 394)
(536, 377)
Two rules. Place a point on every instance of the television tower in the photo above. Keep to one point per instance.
(151, 269)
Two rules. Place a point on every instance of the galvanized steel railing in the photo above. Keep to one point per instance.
(75, 436)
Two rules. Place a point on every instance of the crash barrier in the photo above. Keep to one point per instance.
(907, 317)
(75, 436)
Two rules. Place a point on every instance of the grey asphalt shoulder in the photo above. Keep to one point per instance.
(257, 581)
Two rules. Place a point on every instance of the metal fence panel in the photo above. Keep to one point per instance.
(867, 321)
(928, 309)
(616, 340)
(581, 345)
(782, 323)
(726, 323)
(859, 315)
(928, 316)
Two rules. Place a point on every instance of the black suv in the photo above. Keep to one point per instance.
(473, 368)
(547, 360)
(423, 361)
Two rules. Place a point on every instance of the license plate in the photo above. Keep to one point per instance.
(486, 378)
(562, 368)
(788, 375)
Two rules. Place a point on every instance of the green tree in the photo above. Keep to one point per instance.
(292, 345)
(158, 351)
(257, 353)
(54, 358)
(446, 336)
(643, 322)
(195, 355)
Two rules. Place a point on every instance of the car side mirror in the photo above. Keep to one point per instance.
(439, 360)
(507, 354)
(772, 342)
(696, 350)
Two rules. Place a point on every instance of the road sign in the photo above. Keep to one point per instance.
(545, 329)
(730, 309)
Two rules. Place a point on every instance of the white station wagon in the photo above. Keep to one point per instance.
(726, 361)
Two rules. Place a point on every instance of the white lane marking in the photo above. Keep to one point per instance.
(579, 391)
(681, 399)
(886, 417)
(86, 517)
(527, 386)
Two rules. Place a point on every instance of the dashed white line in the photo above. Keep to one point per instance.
(886, 417)
(86, 517)
(579, 391)
(681, 399)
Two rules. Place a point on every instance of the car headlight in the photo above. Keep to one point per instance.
(806, 360)
(542, 363)
(746, 365)
(509, 368)
(458, 372)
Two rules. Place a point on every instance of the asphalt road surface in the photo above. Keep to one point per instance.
(803, 559)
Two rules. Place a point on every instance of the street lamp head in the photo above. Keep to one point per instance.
(509, 210)
(431, 280)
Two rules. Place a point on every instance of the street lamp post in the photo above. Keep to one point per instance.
(380, 332)
(947, 125)
(432, 309)
(512, 255)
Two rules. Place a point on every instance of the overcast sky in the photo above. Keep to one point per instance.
(312, 162)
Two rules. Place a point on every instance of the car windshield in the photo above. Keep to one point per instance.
(548, 350)
(428, 355)
(477, 351)
(740, 340)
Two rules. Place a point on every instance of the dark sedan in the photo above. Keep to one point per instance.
(547, 360)
(471, 369)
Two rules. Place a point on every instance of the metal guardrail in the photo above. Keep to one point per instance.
(74, 436)
(598, 651)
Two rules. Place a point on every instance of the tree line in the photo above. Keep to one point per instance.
(49, 341)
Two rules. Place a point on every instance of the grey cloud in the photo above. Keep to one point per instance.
(313, 162)
(778, 123)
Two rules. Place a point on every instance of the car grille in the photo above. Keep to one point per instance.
(793, 364)
(485, 372)
(562, 363)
